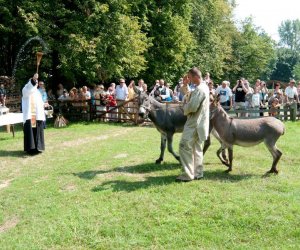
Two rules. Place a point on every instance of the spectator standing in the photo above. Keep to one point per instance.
(60, 90)
(140, 85)
(112, 88)
(86, 94)
(256, 101)
(100, 100)
(211, 88)
(42, 90)
(207, 77)
(121, 96)
(277, 93)
(145, 88)
(50, 95)
(2, 95)
(274, 109)
(153, 88)
(165, 93)
(264, 92)
(132, 107)
(64, 96)
(177, 94)
(291, 96)
(240, 93)
(111, 104)
(291, 93)
(225, 95)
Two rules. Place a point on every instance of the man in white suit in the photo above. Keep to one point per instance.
(196, 128)
(33, 117)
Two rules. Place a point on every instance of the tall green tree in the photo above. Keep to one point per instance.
(254, 52)
(213, 29)
(288, 50)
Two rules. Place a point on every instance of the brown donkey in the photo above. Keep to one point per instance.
(246, 133)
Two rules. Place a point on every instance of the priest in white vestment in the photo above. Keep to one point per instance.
(33, 117)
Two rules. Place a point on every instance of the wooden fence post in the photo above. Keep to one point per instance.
(293, 111)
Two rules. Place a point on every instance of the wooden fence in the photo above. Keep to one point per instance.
(128, 111)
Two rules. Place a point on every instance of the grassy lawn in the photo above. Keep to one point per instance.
(96, 187)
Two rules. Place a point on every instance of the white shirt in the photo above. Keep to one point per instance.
(255, 101)
(121, 92)
(87, 94)
(291, 92)
(225, 93)
(167, 93)
(32, 91)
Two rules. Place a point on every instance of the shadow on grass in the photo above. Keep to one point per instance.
(154, 181)
(130, 186)
(221, 175)
(137, 169)
(151, 181)
(11, 153)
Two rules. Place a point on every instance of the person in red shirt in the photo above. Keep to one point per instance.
(111, 103)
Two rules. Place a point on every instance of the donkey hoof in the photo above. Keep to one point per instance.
(177, 158)
(228, 170)
(158, 161)
(273, 171)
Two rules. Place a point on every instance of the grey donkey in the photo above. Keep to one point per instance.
(246, 133)
(168, 120)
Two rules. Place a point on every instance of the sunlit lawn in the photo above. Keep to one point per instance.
(96, 186)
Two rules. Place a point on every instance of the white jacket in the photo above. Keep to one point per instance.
(197, 112)
(27, 91)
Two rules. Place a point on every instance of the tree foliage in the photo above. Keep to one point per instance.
(99, 40)
(288, 51)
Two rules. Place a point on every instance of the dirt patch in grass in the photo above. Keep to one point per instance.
(82, 141)
(5, 183)
(69, 188)
(43, 178)
(11, 223)
(120, 156)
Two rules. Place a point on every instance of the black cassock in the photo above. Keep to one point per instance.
(34, 137)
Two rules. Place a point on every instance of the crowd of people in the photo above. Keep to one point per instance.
(242, 95)
(258, 97)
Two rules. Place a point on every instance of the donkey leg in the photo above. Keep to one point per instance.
(224, 158)
(219, 153)
(206, 144)
(170, 146)
(276, 153)
(163, 140)
(230, 155)
(224, 154)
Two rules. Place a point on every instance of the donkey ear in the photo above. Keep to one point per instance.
(217, 99)
(136, 90)
(211, 98)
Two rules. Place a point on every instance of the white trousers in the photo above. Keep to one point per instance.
(191, 154)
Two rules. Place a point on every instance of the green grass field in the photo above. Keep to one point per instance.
(96, 187)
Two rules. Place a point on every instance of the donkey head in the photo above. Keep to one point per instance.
(143, 102)
(214, 105)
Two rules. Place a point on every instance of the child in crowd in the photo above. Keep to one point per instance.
(274, 109)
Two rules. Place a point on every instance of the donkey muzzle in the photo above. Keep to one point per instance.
(142, 112)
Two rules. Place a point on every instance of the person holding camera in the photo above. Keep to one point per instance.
(240, 91)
